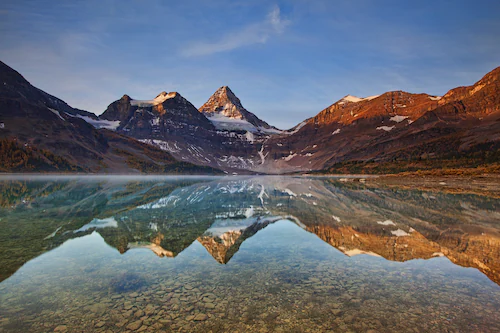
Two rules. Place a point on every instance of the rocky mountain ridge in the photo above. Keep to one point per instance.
(389, 133)
(392, 132)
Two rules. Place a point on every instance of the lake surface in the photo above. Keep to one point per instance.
(254, 254)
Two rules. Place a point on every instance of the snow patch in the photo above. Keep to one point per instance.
(261, 154)
(298, 127)
(386, 222)
(398, 119)
(400, 233)
(53, 234)
(56, 113)
(336, 218)
(337, 131)
(289, 192)
(270, 130)
(158, 250)
(249, 136)
(435, 98)
(261, 194)
(386, 128)
(155, 121)
(163, 145)
(354, 99)
(249, 212)
(369, 98)
(108, 124)
(149, 103)
(109, 222)
(289, 157)
(223, 122)
(356, 252)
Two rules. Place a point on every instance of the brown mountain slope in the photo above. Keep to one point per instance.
(395, 132)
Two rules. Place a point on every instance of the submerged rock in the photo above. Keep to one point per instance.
(200, 317)
(134, 325)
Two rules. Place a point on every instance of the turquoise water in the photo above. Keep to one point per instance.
(258, 254)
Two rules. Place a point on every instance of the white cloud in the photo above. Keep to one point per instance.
(257, 33)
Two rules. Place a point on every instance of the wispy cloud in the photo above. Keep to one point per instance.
(257, 33)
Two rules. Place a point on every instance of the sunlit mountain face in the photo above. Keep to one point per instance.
(137, 232)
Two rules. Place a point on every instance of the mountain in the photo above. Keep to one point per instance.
(15, 87)
(167, 112)
(393, 132)
(226, 112)
(39, 132)
(222, 134)
(397, 131)
(388, 133)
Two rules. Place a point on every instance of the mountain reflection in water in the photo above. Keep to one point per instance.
(170, 215)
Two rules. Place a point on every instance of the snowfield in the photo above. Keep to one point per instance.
(149, 103)
(398, 119)
(386, 128)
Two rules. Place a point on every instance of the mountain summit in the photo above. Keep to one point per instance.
(226, 112)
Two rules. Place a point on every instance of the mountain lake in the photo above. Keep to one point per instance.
(246, 254)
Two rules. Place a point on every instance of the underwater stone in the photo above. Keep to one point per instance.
(134, 325)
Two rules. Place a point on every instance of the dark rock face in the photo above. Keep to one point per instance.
(14, 86)
(167, 112)
(119, 110)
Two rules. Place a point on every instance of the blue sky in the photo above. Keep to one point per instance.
(286, 60)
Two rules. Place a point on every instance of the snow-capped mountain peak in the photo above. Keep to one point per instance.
(354, 99)
(162, 97)
(226, 112)
(224, 102)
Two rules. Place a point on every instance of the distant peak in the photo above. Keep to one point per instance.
(162, 97)
(162, 94)
(225, 90)
(355, 99)
(225, 102)
(351, 98)
(225, 93)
